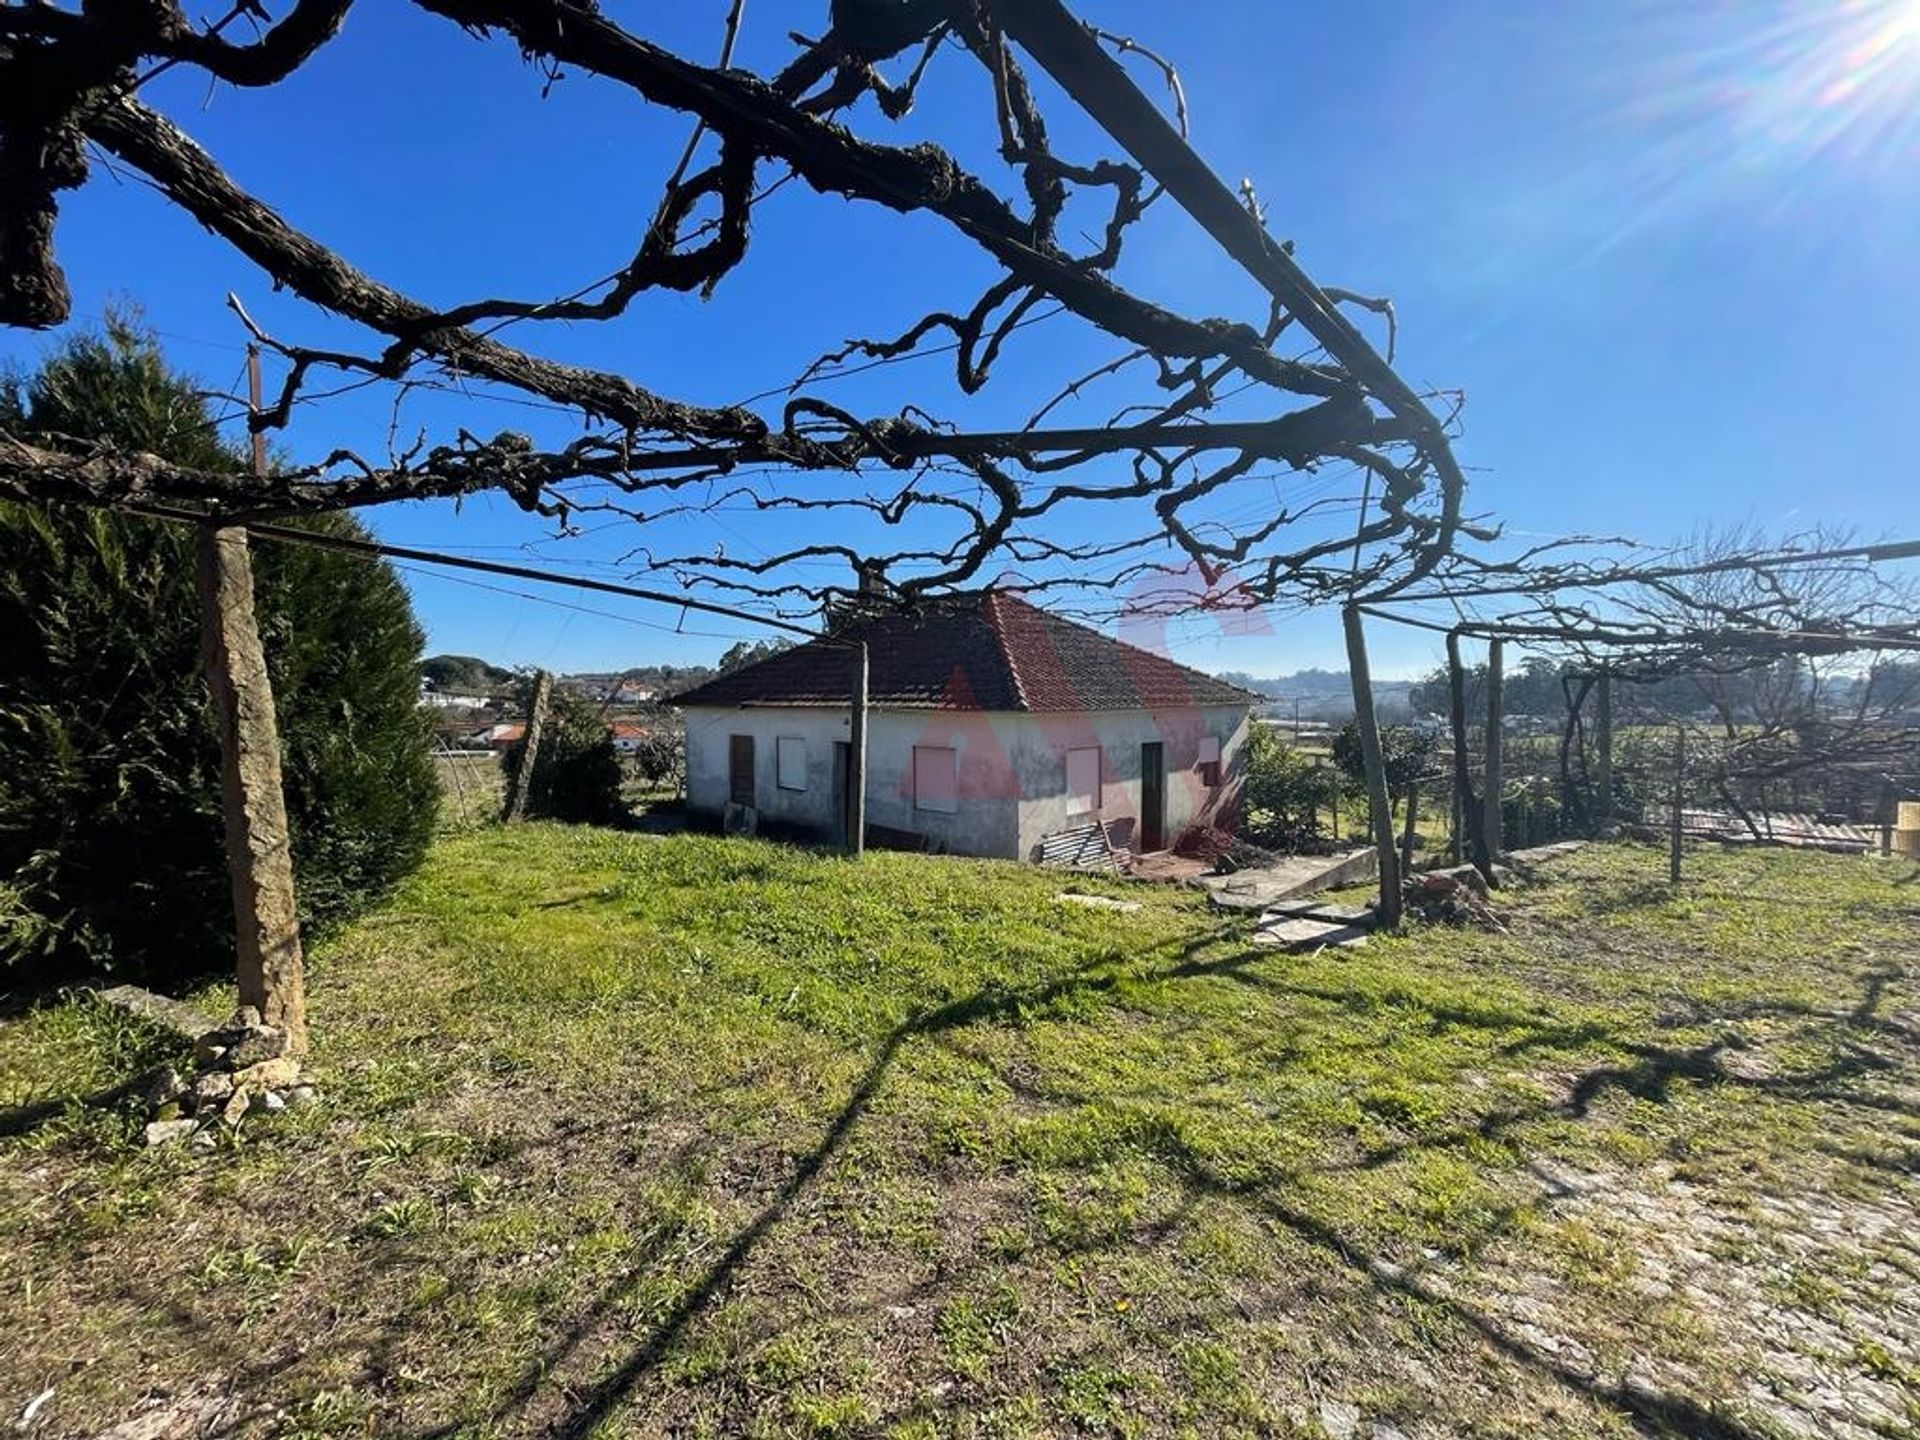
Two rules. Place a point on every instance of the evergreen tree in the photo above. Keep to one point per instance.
(111, 841)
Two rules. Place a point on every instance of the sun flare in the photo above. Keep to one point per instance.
(1837, 82)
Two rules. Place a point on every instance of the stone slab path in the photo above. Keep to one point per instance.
(1300, 936)
(1290, 879)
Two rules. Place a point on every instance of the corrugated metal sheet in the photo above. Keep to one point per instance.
(1083, 847)
(1787, 828)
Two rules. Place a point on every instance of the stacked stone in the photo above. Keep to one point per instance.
(1452, 897)
(237, 1066)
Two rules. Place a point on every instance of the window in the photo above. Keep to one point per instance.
(740, 769)
(790, 762)
(1208, 761)
(936, 778)
(1083, 781)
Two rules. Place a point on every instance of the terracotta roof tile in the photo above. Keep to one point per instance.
(989, 651)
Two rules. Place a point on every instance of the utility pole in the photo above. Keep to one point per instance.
(1368, 723)
(270, 965)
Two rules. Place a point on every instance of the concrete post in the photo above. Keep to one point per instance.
(1679, 799)
(530, 748)
(1603, 744)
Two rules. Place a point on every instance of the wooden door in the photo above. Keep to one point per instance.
(740, 769)
(1153, 796)
(843, 790)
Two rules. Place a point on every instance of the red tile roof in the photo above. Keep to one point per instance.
(988, 651)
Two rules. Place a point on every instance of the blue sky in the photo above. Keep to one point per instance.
(1665, 250)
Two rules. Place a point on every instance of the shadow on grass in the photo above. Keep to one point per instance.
(24, 1119)
(1662, 1412)
(592, 1405)
(1651, 1075)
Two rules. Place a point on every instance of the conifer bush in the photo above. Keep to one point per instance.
(112, 849)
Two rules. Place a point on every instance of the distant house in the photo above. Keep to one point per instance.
(994, 729)
(627, 736)
(447, 700)
(503, 736)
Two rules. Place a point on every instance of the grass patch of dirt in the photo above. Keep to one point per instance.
(690, 1136)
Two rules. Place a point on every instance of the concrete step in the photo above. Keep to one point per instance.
(1291, 879)
(1299, 937)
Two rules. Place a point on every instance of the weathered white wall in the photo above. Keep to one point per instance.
(1012, 770)
(708, 732)
(1046, 739)
(985, 823)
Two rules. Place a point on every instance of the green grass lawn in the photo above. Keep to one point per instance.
(697, 1137)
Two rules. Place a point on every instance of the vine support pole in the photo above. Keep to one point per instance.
(1456, 824)
(1495, 827)
(1470, 814)
(530, 748)
(269, 960)
(1603, 747)
(1379, 802)
(1409, 832)
(1679, 798)
(857, 757)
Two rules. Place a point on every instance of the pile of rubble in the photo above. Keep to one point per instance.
(237, 1066)
(1452, 897)
(1225, 852)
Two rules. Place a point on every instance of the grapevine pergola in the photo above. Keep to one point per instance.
(1724, 606)
(1200, 414)
(1211, 401)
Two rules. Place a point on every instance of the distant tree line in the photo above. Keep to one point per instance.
(464, 675)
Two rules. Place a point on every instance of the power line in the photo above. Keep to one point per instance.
(349, 546)
(567, 605)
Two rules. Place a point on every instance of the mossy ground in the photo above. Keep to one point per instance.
(693, 1136)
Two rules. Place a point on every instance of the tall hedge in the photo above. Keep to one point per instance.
(112, 851)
